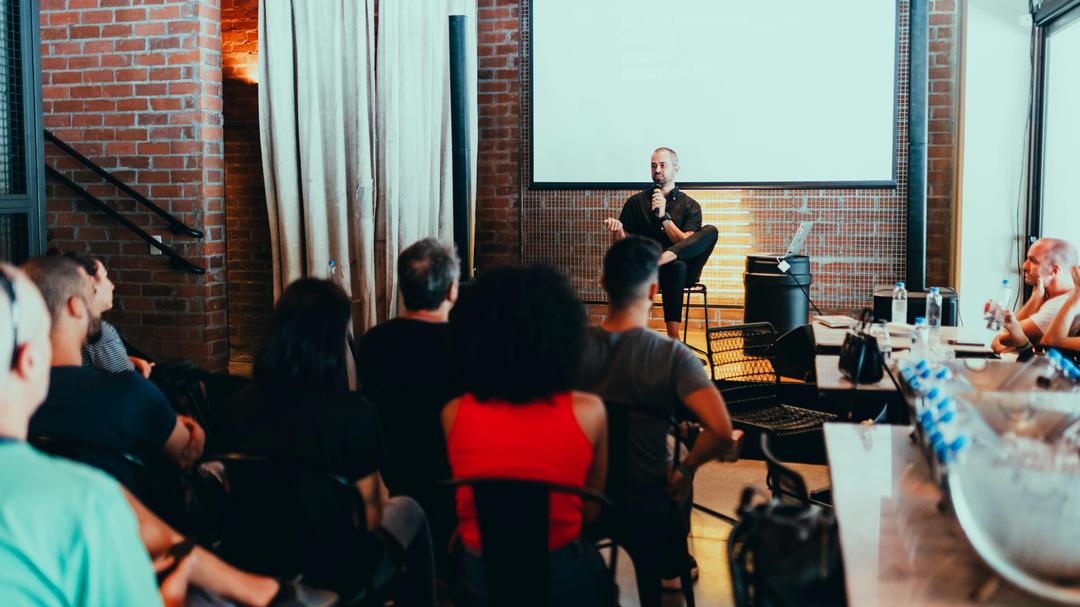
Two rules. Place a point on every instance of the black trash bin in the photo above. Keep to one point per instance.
(777, 297)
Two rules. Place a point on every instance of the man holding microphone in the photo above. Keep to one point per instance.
(667, 215)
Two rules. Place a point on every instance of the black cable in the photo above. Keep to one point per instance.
(797, 284)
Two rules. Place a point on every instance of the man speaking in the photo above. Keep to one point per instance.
(673, 219)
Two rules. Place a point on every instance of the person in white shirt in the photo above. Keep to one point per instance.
(1047, 270)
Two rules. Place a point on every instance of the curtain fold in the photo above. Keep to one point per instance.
(316, 92)
(413, 143)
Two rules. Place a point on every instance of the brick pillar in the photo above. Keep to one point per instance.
(137, 89)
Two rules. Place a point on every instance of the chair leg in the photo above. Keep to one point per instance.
(687, 587)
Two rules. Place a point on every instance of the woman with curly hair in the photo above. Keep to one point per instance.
(518, 334)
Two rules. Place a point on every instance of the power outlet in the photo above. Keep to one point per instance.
(154, 250)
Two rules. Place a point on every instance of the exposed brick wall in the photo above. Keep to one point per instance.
(250, 273)
(498, 237)
(941, 150)
(136, 87)
(857, 243)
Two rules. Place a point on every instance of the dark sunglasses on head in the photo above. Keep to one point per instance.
(9, 288)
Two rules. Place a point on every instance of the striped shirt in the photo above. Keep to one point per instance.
(107, 352)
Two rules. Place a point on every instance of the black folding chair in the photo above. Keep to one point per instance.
(787, 485)
(512, 516)
(741, 357)
(285, 518)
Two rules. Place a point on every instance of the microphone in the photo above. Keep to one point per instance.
(657, 190)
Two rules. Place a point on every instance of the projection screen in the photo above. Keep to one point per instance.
(785, 93)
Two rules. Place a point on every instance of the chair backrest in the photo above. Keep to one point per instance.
(620, 419)
(786, 484)
(512, 516)
(741, 357)
(284, 518)
(128, 469)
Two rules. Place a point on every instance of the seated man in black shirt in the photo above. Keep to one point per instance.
(667, 215)
(409, 395)
(118, 412)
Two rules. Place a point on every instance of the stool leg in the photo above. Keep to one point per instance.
(686, 314)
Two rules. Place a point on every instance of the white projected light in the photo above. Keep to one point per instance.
(784, 92)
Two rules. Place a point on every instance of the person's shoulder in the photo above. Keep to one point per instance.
(55, 474)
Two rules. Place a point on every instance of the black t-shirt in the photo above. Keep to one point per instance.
(404, 370)
(639, 219)
(337, 431)
(118, 411)
(334, 431)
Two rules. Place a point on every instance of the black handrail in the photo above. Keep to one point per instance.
(177, 261)
(175, 225)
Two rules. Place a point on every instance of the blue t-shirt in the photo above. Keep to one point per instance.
(118, 411)
(67, 535)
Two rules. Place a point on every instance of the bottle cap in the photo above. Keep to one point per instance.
(943, 373)
(921, 364)
(920, 320)
(959, 443)
(1005, 281)
(933, 394)
(944, 403)
(332, 263)
(934, 290)
(900, 284)
(946, 417)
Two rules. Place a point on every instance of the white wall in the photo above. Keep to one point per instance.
(1061, 201)
(995, 108)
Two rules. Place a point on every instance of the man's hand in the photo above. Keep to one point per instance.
(659, 203)
(733, 447)
(613, 225)
(1038, 293)
(196, 442)
(678, 486)
(142, 365)
(1016, 334)
(1076, 278)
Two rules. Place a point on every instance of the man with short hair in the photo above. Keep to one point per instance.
(123, 412)
(665, 214)
(1047, 270)
(404, 369)
(628, 364)
(104, 349)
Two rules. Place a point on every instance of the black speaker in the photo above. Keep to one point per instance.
(916, 305)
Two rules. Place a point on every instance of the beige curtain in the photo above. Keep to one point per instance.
(316, 91)
(413, 146)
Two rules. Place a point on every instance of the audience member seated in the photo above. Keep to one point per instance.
(104, 349)
(517, 335)
(628, 364)
(122, 412)
(67, 535)
(1064, 330)
(1046, 271)
(298, 408)
(405, 371)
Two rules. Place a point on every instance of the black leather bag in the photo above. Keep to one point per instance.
(860, 358)
(785, 555)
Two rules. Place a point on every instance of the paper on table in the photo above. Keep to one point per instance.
(836, 321)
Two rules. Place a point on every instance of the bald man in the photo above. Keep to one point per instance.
(1048, 271)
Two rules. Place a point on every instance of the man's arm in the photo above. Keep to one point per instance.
(618, 232)
(716, 441)
(1016, 333)
(1057, 334)
(207, 571)
(674, 234)
(1032, 305)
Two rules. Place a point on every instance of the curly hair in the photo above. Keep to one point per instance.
(518, 333)
(305, 348)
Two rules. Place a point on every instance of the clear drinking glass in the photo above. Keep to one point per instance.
(880, 331)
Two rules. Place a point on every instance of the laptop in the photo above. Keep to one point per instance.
(799, 239)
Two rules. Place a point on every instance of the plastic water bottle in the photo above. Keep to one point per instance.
(933, 316)
(899, 303)
(920, 339)
(333, 272)
(995, 308)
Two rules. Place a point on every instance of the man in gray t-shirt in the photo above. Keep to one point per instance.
(629, 365)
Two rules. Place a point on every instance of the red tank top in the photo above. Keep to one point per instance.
(535, 441)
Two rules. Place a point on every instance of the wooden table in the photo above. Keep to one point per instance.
(898, 548)
(829, 340)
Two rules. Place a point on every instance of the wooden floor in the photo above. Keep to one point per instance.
(716, 486)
